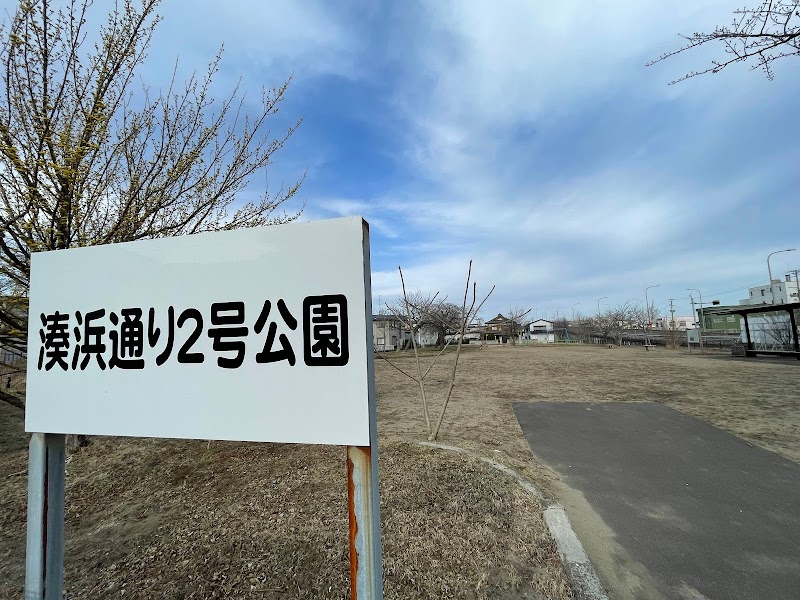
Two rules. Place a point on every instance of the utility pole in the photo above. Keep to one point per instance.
(671, 323)
(699, 323)
(672, 312)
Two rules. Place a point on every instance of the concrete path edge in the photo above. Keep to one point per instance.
(580, 572)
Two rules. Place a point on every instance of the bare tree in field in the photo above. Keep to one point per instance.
(760, 35)
(611, 322)
(561, 328)
(417, 309)
(643, 317)
(444, 316)
(409, 309)
(583, 326)
(518, 320)
(89, 156)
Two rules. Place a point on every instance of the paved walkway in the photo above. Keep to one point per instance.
(704, 512)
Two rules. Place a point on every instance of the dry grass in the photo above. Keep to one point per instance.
(754, 398)
(175, 519)
(12, 429)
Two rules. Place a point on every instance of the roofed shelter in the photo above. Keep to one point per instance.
(745, 311)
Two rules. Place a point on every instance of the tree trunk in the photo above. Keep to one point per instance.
(440, 335)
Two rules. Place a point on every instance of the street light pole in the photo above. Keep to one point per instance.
(702, 317)
(598, 303)
(769, 270)
(573, 310)
(647, 312)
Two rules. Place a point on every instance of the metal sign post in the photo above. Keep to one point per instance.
(366, 579)
(44, 559)
(363, 501)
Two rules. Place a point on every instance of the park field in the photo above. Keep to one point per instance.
(191, 519)
(755, 398)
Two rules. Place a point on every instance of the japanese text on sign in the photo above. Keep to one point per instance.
(78, 341)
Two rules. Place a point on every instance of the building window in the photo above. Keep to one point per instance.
(681, 323)
(381, 341)
(731, 319)
(762, 292)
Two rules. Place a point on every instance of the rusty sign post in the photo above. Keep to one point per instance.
(366, 580)
(363, 501)
(119, 330)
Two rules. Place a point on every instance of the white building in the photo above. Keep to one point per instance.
(541, 331)
(681, 323)
(785, 292)
(387, 332)
(427, 335)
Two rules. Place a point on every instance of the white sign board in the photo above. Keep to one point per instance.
(252, 335)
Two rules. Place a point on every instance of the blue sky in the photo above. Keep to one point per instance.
(527, 136)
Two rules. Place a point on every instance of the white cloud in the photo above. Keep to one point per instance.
(480, 75)
(274, 38)
(373, 212)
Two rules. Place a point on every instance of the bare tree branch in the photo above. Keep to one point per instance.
(380, 355)
(766, 33)
(416, 356)
(516, 323)
(465, 319)
(425, 309)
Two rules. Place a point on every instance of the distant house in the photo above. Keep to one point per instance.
(541, 331)
(387, 333)
(498, 328)
(475, 332)
(427, 335)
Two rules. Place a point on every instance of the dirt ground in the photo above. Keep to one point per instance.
(756, 399)
(177, 519)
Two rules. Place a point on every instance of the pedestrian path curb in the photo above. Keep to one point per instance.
(585, 583)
